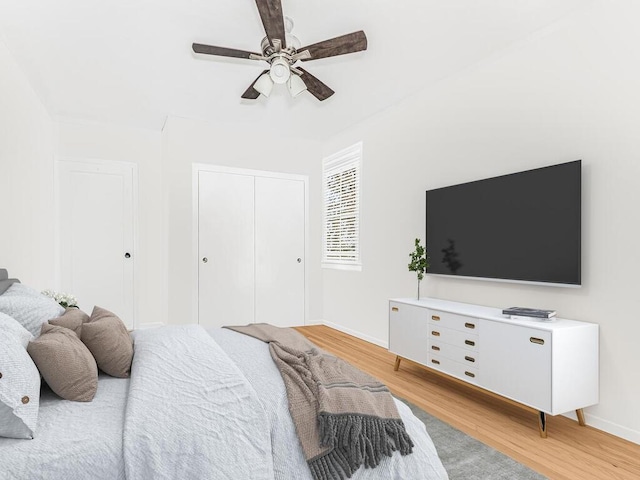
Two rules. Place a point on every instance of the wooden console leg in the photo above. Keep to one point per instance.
(580, 415)
(542, 424)
(397, 365)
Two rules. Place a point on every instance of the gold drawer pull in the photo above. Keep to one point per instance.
(435, 317)
(469, 374)
(436, 348)
(435, 334)
(437, 362)
(470, 342)
(470, 325)
(469, 359)
(394, 309)
(537, 340)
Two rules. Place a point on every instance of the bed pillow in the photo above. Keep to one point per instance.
(73, 318)
(65, 363)
(9, 324)
(106, 336)
(22, 289)
(29, 307)
(19, 388)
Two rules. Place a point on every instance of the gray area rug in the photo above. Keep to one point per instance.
(466, 458)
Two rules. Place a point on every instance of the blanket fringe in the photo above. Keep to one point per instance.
(357, 440)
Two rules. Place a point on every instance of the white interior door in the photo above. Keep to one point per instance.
(97, 235)
(225, 249)
(280, 251)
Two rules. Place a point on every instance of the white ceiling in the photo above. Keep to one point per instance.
(130, 62)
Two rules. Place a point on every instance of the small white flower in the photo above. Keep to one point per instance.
(64, 299)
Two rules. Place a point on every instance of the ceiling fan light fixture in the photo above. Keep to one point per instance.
(264, 84)
(296, 86)
(280, 71)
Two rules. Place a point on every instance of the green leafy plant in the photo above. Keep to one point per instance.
(419, 262)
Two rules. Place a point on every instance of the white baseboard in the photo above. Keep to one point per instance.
(362, 336)
(314, 322)
(150, 325)
(607, 426)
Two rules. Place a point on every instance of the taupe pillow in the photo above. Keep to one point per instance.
(106, 336)
(73, 318)
(65, 363)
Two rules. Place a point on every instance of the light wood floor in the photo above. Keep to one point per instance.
(569, 452)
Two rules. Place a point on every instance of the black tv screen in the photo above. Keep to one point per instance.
(523, 227)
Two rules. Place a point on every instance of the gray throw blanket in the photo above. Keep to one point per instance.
(344, 417)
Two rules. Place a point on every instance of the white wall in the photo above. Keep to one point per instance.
(94, 141)
(569, 93)
(26, 179)
(185, 142)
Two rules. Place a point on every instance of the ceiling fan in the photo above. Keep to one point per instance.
(281, 51)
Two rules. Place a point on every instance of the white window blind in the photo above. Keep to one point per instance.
(341, 219)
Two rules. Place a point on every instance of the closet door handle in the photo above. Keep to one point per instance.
(205, 259)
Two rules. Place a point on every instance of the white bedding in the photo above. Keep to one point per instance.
(191, 413)
(73, 440)
(253, 358)
(198, 406)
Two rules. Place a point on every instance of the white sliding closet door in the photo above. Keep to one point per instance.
(225, 238)
(97, 235)
(251, 248)
(280, 229)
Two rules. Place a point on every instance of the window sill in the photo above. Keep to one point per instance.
(342, 266)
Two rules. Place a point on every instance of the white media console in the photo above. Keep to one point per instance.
(551, 366)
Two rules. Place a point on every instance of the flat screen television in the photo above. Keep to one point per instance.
(522, 227)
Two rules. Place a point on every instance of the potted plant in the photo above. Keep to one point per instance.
(419, 262)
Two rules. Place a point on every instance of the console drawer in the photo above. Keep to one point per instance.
(463, 339)
(451, 367)
(458, 354)
(454, 321)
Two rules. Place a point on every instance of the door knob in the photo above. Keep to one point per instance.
(205, 259)
(299, 260)
(127, 255)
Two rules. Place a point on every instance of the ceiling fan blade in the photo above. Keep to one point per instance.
(272, 19)
(251, 93)
(315, 86)
(222, 51)
(349, 43)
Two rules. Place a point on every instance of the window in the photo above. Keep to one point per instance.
(341, 215)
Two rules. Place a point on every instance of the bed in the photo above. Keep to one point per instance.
(198, 404)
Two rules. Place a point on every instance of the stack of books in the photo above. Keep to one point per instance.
(522, 312)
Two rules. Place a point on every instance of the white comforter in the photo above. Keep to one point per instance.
(191, 413)
(199, 405)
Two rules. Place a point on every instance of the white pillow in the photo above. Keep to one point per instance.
(19, 389)
(11, 325)
(29, 307)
